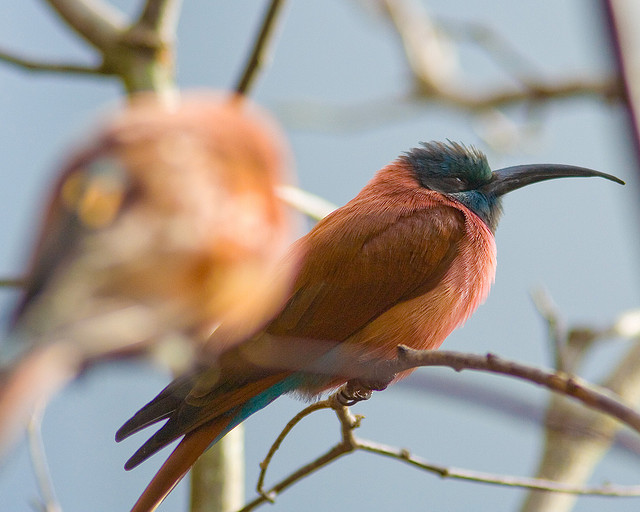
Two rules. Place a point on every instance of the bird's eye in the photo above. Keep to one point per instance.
(460, 184)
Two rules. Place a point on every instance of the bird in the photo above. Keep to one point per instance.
(405, 262)
(163, 237)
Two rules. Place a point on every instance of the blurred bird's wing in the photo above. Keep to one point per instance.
(353, 273)
(90, 196)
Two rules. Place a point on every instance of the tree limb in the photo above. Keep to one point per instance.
(260, 47)
(161, 17)
(350, 443)
(51, 67)
(98, 23)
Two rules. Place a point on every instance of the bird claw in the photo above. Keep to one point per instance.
(358, 390)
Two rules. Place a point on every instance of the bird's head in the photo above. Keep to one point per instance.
(463, 173)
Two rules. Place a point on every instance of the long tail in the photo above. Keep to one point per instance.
(202, 424)
(179, 462)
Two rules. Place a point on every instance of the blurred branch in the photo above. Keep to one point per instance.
(217, 477)
(556, 328)
(576, 438)
(12, 282)
(39, 462)
(376, 112)
(51, 67)
(257, 57)
(313, 206)
(161, 17)
(100, 24)
(431, 56)
(620, 20)
(139, 53)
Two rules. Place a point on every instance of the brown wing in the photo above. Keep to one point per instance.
(351, 274)
(354, 273)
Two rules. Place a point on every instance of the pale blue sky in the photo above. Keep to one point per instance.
(576, 237)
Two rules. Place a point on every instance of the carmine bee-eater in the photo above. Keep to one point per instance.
(405, 262)
(163, 233)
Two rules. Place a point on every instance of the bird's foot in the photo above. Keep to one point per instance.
(357, 390)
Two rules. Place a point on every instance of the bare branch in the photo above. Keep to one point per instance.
(348, 422)
(590, 395)
(429, 54)
(51, 67)
(161, 17)
(491, 478)
(257, 57)
(384, 110)
(278, 442)
(575, 438)
(12, 282)
(217, 477)
(350, 443)
(98, 23)
(312, 206)
(557, 331)
(39, 462)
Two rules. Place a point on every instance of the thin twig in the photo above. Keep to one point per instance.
(52, 67)
(497, 47)
(350, 443)
(555, 327)
(257, 57)
(276, 444)
(491, 478)
(347, 423)
(39, 462)
(12, 282)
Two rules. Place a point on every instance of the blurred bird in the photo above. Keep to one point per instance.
(405, 262)
(163, 237)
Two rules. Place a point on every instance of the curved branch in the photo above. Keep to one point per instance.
(350, 443)
(593, 396)
(51, 67)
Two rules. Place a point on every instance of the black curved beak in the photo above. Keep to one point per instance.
(512, 178)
